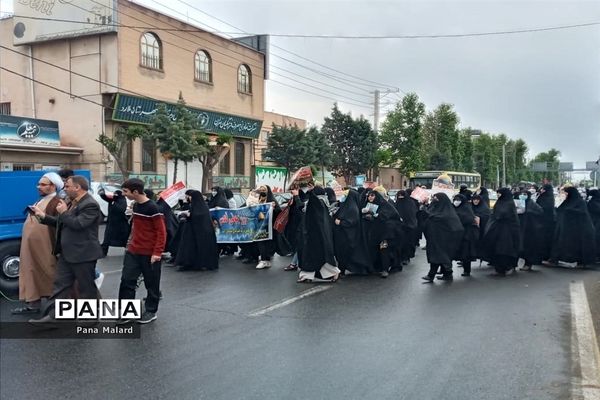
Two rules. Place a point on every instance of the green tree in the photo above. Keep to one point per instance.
(353, 143)
(290, 147)
(401, 134)
(465, 151)
(209, 150)
(441, 137)
(487, 158)
(175, 131)
(117, 145)
(320, 149)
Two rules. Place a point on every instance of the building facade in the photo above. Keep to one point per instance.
(96, 83)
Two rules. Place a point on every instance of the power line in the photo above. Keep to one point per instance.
(55, 88)
(352, 37)
(316, 94)
(281, 48)
(195, 43)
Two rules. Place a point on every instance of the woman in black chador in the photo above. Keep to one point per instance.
(574, 237)
(594, 210)
(443, 232)
(407, 209)
(384, 232)
(467, 251)
(546, 201)
(532, 232)
(317, 257)
(218, 198)
(481, 210)
(171, 224)
(117, 224)
(350, 248)
(198, 245)
(502, 239)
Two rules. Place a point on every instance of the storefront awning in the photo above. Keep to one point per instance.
(74, 151)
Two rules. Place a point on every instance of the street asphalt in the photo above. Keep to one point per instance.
(362, 338)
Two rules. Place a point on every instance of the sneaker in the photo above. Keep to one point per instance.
(123, 321)
(99, 280)
(263, 265)
(147, 317)
(384, 274)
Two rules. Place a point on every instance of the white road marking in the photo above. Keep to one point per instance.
(584, 346)
(285, 302)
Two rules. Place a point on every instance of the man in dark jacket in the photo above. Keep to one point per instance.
(76, 244)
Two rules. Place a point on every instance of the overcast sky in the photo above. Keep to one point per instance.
(543, 87)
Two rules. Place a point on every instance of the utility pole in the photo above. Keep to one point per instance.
(376, 111)
(504, 165)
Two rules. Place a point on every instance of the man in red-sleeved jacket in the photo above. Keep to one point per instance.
(144, 249)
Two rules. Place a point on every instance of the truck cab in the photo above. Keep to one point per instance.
(19, 190)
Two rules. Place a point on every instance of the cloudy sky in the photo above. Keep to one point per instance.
(543, 87)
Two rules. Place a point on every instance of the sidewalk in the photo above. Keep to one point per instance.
(592, 288)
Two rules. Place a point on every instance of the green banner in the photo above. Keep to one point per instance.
(140, 110)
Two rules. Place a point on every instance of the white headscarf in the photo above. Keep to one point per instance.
(55, 179)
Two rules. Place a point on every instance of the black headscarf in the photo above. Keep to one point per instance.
(218, 200)
(485, 196)
(574, 202)
(228, 193)
(505, 206)
(406, 209)
(482, 208)
(464, 211)
(546, 198)
(349, 211)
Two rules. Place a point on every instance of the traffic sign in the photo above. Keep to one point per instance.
(592, 165)
(565, 166)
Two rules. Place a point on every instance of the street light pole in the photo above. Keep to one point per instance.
(504, 165)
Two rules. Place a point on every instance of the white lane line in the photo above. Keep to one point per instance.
(112, 272)
(584, 346)
(285, 302)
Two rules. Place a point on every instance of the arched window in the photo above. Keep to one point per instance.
(151, 51)
(244, 79)
(202, 66)
(240, 158)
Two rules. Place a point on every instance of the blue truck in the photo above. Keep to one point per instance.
(19, 189)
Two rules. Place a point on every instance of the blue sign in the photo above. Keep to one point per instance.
(360, 180)
(243, 225)
(23, 130)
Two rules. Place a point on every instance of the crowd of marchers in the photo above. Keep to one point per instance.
(363, 232)
(358, 232)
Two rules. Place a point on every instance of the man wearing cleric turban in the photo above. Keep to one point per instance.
(38, 265)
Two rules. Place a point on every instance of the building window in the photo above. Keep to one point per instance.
(244, 79)
(202, 66)
(22, 167)
(148, 155)
(240, 158)
(225, 164)
(151, 51)
(4, 108)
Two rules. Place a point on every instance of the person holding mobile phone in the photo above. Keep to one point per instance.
(37, 264)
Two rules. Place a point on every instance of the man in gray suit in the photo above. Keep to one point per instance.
(76, 245)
